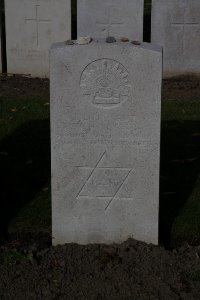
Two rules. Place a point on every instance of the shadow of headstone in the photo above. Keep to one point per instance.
(24, 168)
(180, 168)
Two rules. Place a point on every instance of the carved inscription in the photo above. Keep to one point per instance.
(106, 81)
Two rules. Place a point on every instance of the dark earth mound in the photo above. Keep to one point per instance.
(131, 270)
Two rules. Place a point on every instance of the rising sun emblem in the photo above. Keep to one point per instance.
(106, 81)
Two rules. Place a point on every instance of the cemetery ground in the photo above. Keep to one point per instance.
(31, 269)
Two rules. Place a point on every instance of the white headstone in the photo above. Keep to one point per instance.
(105, 127)
(103, 18)
(31, 27)
(176, 27)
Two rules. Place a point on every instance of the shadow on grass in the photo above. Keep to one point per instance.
(25, 168)
(180, 168)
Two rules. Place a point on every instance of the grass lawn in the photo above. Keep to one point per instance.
(25, 165)
(25, 207)
(180, 173)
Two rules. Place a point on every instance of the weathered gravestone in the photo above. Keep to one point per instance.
(176, 27)
(31, 27)
(103, 18)
(105, 126)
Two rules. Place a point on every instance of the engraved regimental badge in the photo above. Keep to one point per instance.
(106, 81)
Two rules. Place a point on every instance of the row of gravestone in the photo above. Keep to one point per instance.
(32, 26)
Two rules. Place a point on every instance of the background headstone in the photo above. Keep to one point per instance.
(103, 18)
(31, 27)
(176, 27)
(105, 127)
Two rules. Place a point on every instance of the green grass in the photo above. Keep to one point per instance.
(10, 257)
(35, 218)
(180, 173)
(25, 165)
(16, 112)
(25, 169)
(181, 111)
(187, 226)
(195, 276)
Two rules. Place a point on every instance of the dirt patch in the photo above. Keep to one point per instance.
(21, 86)
(181, 88)
(177, 88)
(132, 270)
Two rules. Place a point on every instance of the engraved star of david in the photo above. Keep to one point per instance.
(103, 182)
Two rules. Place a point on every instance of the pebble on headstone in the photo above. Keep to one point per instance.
(110, 39)
(124, 39)
(103, 18)
(83, 40)
(69, 42)
(105, 135)
(31, 27)
(176, 27)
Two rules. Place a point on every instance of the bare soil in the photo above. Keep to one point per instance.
(23, 86)
(130, 271)
(181, 88)
(177, 88)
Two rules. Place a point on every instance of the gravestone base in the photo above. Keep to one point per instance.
(105, 135)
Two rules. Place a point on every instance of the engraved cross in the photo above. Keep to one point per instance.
(184, 25)
(107, 26)
(37, 21)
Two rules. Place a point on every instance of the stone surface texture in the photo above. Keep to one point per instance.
(103, 18)
(31, 27)
(176, 27)
(105, 127)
